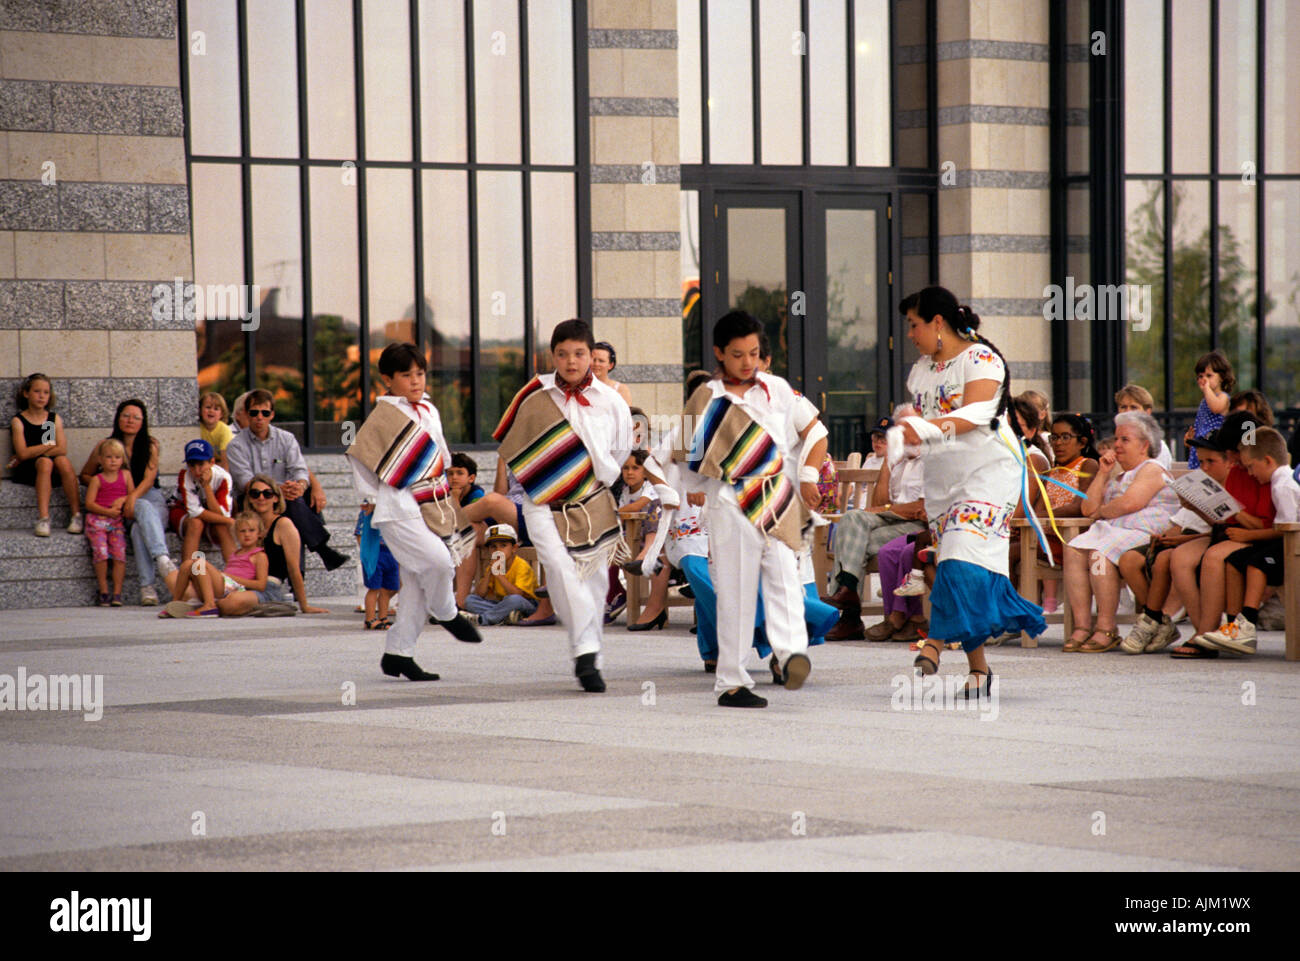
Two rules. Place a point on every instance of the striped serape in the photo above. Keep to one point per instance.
(405, 456)
(728, 445)
(555, 468)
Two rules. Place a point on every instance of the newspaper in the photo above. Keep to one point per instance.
(1207, 495)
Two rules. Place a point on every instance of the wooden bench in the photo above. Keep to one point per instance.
(638, 588)
(1291, 588)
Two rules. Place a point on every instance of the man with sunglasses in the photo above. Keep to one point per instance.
(266, 449)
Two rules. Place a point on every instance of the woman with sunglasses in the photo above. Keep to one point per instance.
(281, 542)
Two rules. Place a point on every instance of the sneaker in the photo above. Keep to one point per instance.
(75, 526)
(914, 586)
(743, 697)
(210, 612)
(615, 608)
(1237, 636)
(148, 596)
(164, 565)
(1179, 615)
(1142, 634)
(1166, 634)
(43, 527)
(514, 617)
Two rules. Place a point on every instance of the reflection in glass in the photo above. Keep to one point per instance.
(500, 294)
(871, 81)
(446, 318)
(731, 87)
(335, 303)
(496, 81)
(442, 81)
(1236, 84)
(218, 267)
(829, 83)
(1078, 87)
(781, 79)
(1282, 303)
(1144, 264)
(692, 314)
(1078, 262)
(555, 260)
(1282, 86)
(331, 104)
(272, 78)
(550, 81)
(1189, 127)
(756, 274)
(387, 48)
(1238, 279)
(852, 326)
(214, 78)
(277, 270)
(390, 247)
(1144, 85)
(1190, 308)
(688, 83)
(915, 272)
(912, 145)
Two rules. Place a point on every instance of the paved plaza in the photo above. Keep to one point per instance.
(236, 745)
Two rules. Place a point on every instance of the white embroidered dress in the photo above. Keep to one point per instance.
(972, 480)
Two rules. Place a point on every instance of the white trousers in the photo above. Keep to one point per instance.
(427, 581)
(739, 558)
(579, 604)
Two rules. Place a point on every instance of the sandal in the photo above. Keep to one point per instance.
(979, 690)
(1071, 645)
(1112, 641)
(926, 665)
(370, 625)
(1191, 650)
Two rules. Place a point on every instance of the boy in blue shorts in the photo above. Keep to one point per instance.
(379, 568)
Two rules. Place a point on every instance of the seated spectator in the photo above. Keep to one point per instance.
(506, 592)
(903, 615)
(876, 459)
(462, 477)
(897, 509)
(239, 413)
(145, 511)
(203, 503)
(1254, 403)
(213, 427)
(1131, 500)
(1075, 456)
(281, 543)
(266, 449)
(1135, 397)
(1043, 406)
(603, 362)
(1215, 379)
(237, 589)
(40, 457)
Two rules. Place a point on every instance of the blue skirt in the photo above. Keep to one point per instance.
(970, 604)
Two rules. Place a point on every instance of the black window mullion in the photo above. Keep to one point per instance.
(850, 28)
(756, 77)
(1260, 289)
(471, 133)
(1213, 184)
(307, 323)
(1059, 196)
(704, 80)
(582, 159)
(525, 145)
(1168, 255)
(246, 184)
(417, 194)
(806, 133)
(363, 245)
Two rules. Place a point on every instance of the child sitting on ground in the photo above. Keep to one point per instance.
(379, 568)
(507, 589)
(220, 591)
(1261, 565)
(105, 529)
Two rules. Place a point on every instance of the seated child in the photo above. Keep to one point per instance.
(378, 567)
(203, 503)
(105, 530)
(639, 497)
(240, 587)
(213, 427)
(507, 591)
(1261, 564)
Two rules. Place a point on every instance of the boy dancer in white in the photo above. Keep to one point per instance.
(745, 428)
(399, 465)
(565, 436)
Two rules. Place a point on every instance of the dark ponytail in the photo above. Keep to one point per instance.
(941, 301)
(1086, 432)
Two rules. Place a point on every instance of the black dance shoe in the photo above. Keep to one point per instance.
(394, 665)
(584, 668)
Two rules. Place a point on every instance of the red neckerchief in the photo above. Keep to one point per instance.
(575, 391)
(417, 404)
(733, 382)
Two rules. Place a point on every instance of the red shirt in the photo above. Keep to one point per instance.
(1257, 498)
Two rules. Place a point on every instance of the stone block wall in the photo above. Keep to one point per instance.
(94, 211)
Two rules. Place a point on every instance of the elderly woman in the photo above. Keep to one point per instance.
(1131, 498)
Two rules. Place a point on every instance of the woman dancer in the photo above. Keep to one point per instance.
(973, 479)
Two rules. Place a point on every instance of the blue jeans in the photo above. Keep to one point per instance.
(494, 612)
(148, 537)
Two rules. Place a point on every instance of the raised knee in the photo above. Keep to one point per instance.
(44, 465)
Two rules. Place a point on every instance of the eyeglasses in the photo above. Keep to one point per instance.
(262, 493)
(259, 413)
(1064, 437)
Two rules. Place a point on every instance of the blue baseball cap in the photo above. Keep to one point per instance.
(197, 450)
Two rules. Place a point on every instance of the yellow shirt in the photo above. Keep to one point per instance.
(219, 437)
(520, 574)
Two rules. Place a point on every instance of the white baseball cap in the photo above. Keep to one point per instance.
(501, 532)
